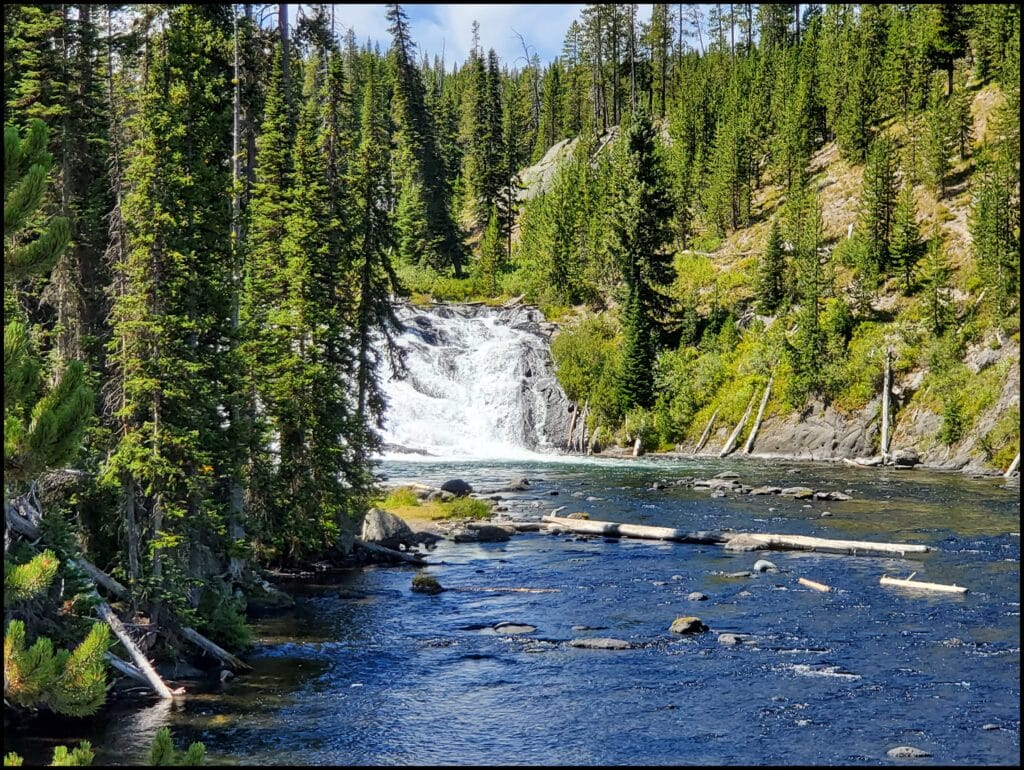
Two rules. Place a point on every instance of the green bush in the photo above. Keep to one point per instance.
(403, 497)
(468, 508)
(222, 619)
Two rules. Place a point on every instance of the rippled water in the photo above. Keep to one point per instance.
(366, 672)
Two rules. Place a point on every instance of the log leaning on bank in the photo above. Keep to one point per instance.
(736, 541)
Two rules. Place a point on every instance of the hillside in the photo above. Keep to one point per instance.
(979, 374)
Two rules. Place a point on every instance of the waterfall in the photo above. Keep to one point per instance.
(479, 384)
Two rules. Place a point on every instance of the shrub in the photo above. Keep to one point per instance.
(468, 508)
(403, 497)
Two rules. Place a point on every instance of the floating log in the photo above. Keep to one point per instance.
(739, 427)
(885, 580)
(755, 542)
(141, 663)
(706, 433)
(816, 586)
(1013, 466)
(643, 532)
(390, 553)
(757, 420)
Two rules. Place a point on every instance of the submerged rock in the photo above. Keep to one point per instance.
(727, 475)
(697, 596)
(763, 565)
(687, 625)
(766, 490)
(601, 643)
(907, 752)
(514, 628)
(729, 639)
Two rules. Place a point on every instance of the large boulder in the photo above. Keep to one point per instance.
(384, 528)
(905, 458)
(457, 487)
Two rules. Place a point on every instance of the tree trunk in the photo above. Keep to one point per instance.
(885, 580)
(643, 532)
(141, 663)
(706, 433)
(757, 420)
(886, 387)
(739, 427)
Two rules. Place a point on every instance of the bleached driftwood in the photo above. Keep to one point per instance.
(215, 650)
(706, 433)
(141, 662)
(812, 584)
(757, 420)
(739, 427)
(886, 388)
(755, 542)
(643, 532)
(885, 580)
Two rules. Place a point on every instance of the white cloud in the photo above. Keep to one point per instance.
(447, 28)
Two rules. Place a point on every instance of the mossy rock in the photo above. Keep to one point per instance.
(426, 584)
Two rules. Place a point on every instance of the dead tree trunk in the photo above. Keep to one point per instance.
(739, 428)
(757, 420)
(706, 433)
(886, 387)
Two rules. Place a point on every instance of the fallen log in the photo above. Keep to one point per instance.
(816, 586)
(757, 542)
(125, 668)
(215, 650)
(885, 580)
(24, 527)
(390, 553)
(706, 433)
(757, 420)
(643, 532)
(739, 427)
(141, 663)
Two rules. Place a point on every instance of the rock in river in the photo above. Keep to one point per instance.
(386, 529)
(697, 596)
(907, 752)
(514, 628)
(426, 584)
(687, 625)
(798, 493)
(457, 487)
(763, 565)
(601, 643)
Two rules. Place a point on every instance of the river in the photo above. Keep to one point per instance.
(366, 672)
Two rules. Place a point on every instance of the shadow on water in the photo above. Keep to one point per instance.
(366, 672)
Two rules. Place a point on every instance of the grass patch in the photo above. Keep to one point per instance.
(404, 503)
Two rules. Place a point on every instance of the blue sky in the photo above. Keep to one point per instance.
(449, 27)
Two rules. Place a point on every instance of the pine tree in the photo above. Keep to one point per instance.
(771, 272)
(492, 249)
(937, 146)
(905, 247)
(639, 234)
(423, 185)
(934, 278)
(807, 349)
(995, 231)
(42, 427)
(878, 200)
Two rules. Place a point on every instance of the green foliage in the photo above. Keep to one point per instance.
(401, 498)
(905, 247)
(163, 753)
(80, 756)
(29, 580)
(935, 285)
(468, 508)
(586, 357)
(67, 682)
(222, 619)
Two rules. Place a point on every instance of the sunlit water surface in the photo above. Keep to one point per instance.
(367, 672)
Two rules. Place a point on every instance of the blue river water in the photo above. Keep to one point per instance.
(365, 672)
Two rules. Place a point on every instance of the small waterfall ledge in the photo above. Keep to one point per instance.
(480, 384)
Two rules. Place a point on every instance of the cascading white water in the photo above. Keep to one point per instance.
(479, 384)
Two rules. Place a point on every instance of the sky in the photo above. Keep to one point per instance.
(448, 28)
